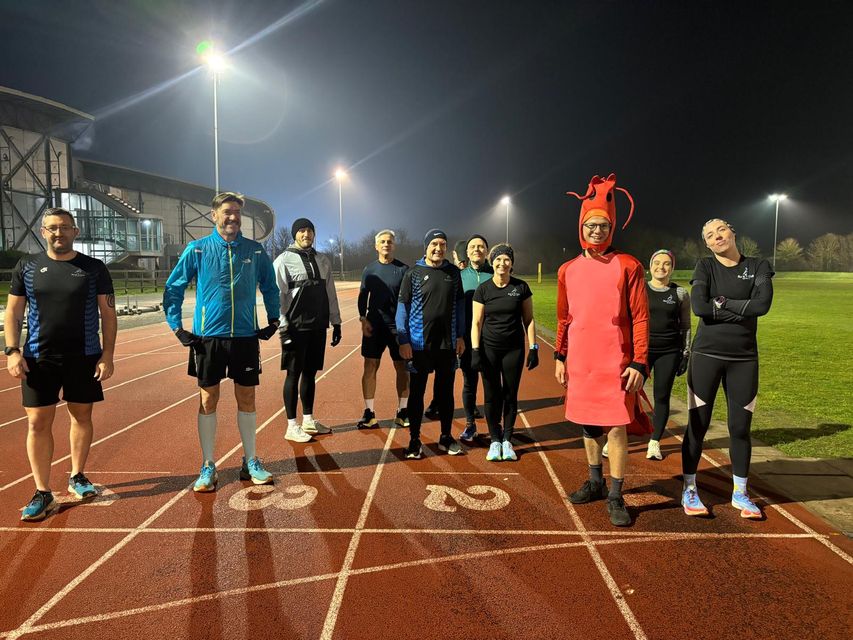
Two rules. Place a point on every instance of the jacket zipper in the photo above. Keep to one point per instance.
(231, 272)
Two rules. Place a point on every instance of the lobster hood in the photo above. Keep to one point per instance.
(600, 200)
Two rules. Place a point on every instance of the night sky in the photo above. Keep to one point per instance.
(438, 108)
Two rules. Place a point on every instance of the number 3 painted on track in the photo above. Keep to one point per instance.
(240, 501)
(438, 493)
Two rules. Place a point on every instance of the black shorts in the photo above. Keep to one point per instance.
(217, 358)
(306, 351)
(75, 375)
(383, 337)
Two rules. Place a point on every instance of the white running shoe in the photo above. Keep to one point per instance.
(296, 434)
(604, 450)
(653, 452)
(313, 427)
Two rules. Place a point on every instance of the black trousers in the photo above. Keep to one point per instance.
(663, 367)
(443, 363)
(501, 378)
(740, 384)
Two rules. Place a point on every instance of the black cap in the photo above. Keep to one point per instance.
(301, 223)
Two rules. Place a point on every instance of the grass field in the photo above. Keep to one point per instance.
(805, 396)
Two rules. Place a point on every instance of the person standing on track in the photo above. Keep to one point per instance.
(669, 339)
(430, 321)
(228, 269)
(309, 303)
(65, 291)
(377, 306)
(602, 343)
(729, 292)
(503, 312)
(474, 274)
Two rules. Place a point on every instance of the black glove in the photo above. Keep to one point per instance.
(336, 334)
(682, 366)
(268, 331)
(532, 359)
(286, 340)
(476, 364)
(187, 339)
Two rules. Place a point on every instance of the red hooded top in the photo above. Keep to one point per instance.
(600, 200)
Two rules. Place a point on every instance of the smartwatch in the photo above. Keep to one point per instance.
(535, 346)
(10, 350)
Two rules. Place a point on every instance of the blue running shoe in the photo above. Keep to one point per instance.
(207, 479)
(80, 486)
(470, 432)
(507, 452)
(692, 504)
(254, 471)
(494, 453)
(748, 509)
(39, 507)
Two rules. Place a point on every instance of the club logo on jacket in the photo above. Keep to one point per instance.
(746, 275)
(43, 270)
(78, 274)
(669, 300)
(426, 277)
(514, 293)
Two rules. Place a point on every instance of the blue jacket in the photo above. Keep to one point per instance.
(227, 276)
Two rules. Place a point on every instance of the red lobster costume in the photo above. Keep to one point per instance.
(603, 321)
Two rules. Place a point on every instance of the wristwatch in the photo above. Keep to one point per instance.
(10, 350)
(535, 346)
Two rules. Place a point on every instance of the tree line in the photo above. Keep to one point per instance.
(829, 252)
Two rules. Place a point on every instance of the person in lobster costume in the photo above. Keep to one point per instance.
(602, 344)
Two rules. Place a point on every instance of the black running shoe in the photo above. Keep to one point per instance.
(368, 420)
(589, 492)
(431, 413)
(414, 451)
(402, 419)
(618, 513)
(448, 443)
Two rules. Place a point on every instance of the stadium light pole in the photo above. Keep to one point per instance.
(777, 198)
(216, 63)
(506, 201)
(341, 175)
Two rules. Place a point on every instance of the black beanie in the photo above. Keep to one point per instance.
(477, 235)
(301, 223)
(432, 234)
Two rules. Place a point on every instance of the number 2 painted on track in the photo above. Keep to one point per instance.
(303, 495)
(436, 500)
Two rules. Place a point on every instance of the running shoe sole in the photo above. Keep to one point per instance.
(694, 512)
(416, 455)
(367, 425)
(246, 476)
(82, 496)
(748, 514)
(297, 438)
(446, 449)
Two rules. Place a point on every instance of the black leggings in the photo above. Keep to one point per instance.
(305, 385)
(664, 366)
(740, 384)
(443, 362)
(501, 396)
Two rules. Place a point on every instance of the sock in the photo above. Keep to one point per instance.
(689, 480)
(595, 473)
(247, 423)
(368, 402)
(740, 484)
(207, 435)
(307, 417)
(291, 423)
(404, 403)
(615, 487)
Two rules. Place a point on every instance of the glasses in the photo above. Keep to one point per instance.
(592, 226)
(60, 229)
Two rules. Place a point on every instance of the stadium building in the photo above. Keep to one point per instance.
(127, 218)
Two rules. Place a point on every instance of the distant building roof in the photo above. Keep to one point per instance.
(32, 113)
(116, 176)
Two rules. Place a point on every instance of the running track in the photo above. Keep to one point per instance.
(356, 542)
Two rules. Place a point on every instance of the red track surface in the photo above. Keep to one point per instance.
(356, 542)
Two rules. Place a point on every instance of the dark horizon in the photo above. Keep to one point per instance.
(439, 109)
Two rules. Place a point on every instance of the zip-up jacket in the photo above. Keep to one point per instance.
(308, 297)
(431, 307)
(228, 275)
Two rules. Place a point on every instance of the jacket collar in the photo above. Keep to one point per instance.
(219, 239)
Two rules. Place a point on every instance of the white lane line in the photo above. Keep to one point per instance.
(657, 535)
(615, 591)
(784, 512)
(343, 576)
(465, 473)
(29, 623)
